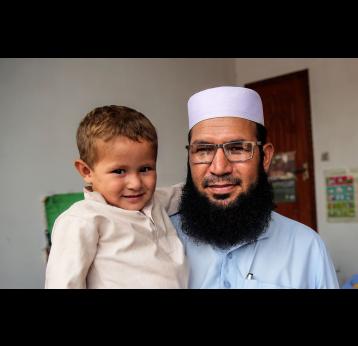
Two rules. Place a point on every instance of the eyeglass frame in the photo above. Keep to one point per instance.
(222, 146)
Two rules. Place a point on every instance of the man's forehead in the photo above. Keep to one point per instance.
(223, 128)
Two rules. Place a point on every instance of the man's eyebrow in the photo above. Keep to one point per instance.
(201, 142)
(206, 142)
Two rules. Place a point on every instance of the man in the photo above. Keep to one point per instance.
(232, 236)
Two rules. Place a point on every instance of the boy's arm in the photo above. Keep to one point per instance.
(169, 197)
(74, 246)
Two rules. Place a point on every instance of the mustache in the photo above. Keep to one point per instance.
(227, 179)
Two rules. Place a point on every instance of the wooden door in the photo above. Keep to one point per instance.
(287, 116)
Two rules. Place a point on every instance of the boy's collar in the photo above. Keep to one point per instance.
(96, 196)
(93, 195)
(147, 209)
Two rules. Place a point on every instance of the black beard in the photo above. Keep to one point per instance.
(241, 221)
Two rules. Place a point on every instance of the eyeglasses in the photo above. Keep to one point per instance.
(239, 151)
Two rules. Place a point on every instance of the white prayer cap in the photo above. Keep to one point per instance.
(225, 101)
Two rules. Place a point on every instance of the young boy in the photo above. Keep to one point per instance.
(120, 235)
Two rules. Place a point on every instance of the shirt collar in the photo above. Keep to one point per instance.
(147, 210)
(93, 195)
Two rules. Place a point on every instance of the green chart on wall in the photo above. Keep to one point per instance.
(341, 195)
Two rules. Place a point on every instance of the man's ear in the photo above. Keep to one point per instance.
(268, 155)
(84, 170)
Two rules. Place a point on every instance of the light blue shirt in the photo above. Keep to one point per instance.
(288, 255)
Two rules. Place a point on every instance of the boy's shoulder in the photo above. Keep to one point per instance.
(169, 197)
(85, 209)
(168, 191)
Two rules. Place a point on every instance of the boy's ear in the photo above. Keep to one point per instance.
(84, 170)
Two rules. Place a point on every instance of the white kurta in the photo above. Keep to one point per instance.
(96, 245)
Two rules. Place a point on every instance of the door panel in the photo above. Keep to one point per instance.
(287, 115)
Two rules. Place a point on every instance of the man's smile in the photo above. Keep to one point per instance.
(221, 188)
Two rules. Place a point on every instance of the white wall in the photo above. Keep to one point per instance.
(334, 111)
(41, 104)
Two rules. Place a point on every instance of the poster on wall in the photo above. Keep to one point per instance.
(342, 195)
(282, 177)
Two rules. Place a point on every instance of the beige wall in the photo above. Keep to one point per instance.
(41, 104)
(334, 110)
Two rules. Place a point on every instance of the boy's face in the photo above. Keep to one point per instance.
(125, 172)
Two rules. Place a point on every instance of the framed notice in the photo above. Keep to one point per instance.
(282, 177)
(342, 195)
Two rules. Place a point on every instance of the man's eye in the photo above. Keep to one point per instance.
(236, 148)
(203, 148)
(119, 171)
(239, 147)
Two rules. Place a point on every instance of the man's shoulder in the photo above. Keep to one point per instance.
(175, 219)
(284, 225)
(286, 221)
(175, 216)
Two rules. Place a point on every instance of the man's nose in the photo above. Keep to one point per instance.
(220, 164)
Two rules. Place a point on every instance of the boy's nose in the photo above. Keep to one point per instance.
(134, 182)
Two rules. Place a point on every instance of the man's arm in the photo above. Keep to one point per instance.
(327, 277)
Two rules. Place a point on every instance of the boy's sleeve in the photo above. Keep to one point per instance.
(169, 197)
(74, 246)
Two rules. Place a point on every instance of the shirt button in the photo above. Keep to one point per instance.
(229, 256)
(227, 284)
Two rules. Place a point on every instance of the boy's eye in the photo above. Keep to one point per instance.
(146, 169)
(119, 171)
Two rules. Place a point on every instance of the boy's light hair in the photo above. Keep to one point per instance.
(108, 122)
